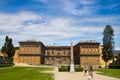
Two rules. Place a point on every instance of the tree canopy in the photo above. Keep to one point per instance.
(8, 47)
(108, 43)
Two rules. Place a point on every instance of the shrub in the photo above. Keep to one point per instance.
(78, 69)
(114, 66)
(64, 68)
(6, 65)
(67, 68)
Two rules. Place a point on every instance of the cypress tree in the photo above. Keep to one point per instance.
(8, 48)
(108, 44)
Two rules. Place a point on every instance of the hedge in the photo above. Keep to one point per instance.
(114, 66)
(67, 68)
(6, 65)
(64, 68)
(78, 69)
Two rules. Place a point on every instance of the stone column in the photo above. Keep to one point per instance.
(72, 58)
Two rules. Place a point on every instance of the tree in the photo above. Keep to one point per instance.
(8, 48)
(108, 44)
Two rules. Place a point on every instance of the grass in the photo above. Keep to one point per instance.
(109, 72)
(25, 73)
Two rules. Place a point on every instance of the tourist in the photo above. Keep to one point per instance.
(90, 72)
(85, 70)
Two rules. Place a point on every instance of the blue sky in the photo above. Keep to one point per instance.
(58, 21)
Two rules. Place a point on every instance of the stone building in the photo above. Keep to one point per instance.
(87, 53)
(30, 52)
(57, 55)
(36, 53)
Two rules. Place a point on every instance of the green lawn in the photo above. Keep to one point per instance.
(109, 72)
(25, 73)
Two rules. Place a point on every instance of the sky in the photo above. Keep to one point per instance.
(56, 22)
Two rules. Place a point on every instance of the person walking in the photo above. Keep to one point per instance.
(90, 73)
(85, 70)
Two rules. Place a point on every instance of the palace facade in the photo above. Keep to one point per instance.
(36, 53)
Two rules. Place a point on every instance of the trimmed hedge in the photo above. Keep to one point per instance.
(67, 68)
(78, 69)
(114, 66)
(64, 68)
(6, 65)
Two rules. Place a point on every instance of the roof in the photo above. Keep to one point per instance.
(16, 47)
(31, 42)
(88, 41)
(58, 47)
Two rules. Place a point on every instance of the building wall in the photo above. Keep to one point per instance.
(29, 55)
(77, 54)
(32, 52)
(15, 57)
(35, 60)
(90, 60)
(102, 62)
(88, 52)
(57, 55)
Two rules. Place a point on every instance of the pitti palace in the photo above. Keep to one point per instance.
(36, 53)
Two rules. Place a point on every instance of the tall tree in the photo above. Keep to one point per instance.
(108, 44)
(8, 48)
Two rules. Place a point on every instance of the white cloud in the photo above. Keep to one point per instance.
(78, 7)
(86, 2)
(14, 22)
(26, 25)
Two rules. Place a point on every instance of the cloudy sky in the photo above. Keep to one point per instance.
(58, 21)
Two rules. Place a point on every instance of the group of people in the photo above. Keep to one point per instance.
(88, 70)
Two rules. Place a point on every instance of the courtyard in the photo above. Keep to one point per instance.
(46, 73)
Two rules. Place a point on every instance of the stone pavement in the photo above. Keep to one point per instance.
(79, 76)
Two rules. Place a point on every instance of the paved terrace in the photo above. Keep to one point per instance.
(79, 76)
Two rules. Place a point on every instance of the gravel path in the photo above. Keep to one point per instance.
(79, 76)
